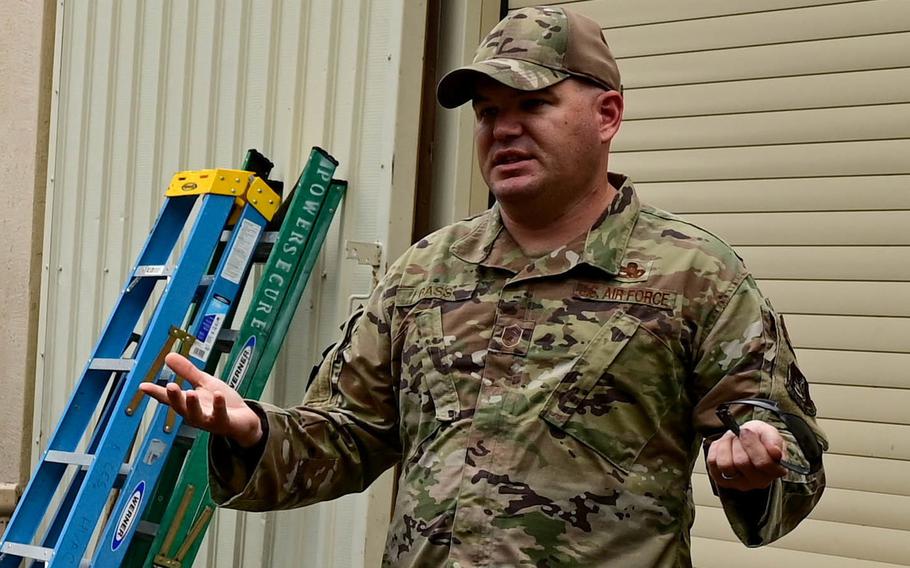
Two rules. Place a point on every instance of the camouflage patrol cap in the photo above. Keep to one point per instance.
(534, 48)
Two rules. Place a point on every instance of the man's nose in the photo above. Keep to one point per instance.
(508, 125)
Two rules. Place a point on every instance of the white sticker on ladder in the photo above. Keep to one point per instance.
(243, 247)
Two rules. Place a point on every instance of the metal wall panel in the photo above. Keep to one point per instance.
(144, 89)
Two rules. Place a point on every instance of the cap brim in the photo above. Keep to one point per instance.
(457, 86)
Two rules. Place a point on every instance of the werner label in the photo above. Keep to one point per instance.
(242, 365)
(129, 516)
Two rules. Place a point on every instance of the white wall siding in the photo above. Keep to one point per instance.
(145, 89)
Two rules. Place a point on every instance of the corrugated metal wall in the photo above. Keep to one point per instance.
(144, 89)
(784, 126)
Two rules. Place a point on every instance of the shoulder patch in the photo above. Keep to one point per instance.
(798, 388)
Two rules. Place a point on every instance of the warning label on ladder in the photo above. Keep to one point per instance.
(244, 244)
(209, 328)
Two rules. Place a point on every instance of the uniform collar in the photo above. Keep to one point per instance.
(604, 245)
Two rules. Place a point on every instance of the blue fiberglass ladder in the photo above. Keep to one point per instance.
(221, 295)
(96, 457)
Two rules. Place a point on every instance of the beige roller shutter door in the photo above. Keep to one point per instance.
(784, 126)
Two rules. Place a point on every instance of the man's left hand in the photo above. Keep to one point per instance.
(748, 461)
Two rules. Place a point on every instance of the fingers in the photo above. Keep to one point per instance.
(219, 409)
(184, 368)
(753, 460)
(720, 458)
(195, 415)
(757, 453)
(206, 405)
(155, 391)
(196, 408)
(176, 398)
(774, 443)
(749, 461)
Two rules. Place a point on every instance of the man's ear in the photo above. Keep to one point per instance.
(609, 110)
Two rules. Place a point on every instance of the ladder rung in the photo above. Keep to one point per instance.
(228, 335)
(122, 365)
(187, 431)
(226, 339)
(154, 271)
(146, 528)
(28, 551)
(263, 248)
(269, 237)
(72, 458)
(83, 460)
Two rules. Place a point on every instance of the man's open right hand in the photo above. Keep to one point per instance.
(211, 405)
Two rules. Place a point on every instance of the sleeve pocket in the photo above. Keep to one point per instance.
(322, 389)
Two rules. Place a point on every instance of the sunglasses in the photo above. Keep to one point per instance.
(806, 439)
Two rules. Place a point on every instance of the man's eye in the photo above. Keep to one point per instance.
(531, 104)
(485, 112)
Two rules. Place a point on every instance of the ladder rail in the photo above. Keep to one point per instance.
(53, 532)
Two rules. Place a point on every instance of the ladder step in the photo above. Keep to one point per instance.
(268, 237)
(154, 271)
(228, 336)
(27, 551)
(263, 249)
(187, 431)
(71, 458)
(80, 459)
(266, 244)
(226, 339)
(120, 365)
(146, 528)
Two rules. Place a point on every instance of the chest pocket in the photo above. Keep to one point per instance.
(616, 392)
(428, 351)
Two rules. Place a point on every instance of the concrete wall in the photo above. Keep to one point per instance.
(26, 63)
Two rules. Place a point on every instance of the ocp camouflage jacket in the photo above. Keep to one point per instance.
(545, 412)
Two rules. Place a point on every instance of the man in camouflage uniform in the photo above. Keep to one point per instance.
(545, 373)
